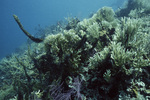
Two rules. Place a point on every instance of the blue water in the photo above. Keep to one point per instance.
(40, 12)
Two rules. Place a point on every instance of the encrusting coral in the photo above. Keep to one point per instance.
(103, 57)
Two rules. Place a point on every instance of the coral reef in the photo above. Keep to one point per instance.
(141, 7)
(104, 57)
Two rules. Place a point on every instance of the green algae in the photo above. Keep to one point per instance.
(108, 55)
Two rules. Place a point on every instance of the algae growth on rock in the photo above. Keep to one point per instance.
(103, 57)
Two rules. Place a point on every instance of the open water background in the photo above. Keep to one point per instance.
(33, 13)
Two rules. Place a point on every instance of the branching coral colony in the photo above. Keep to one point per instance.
(105, 57)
